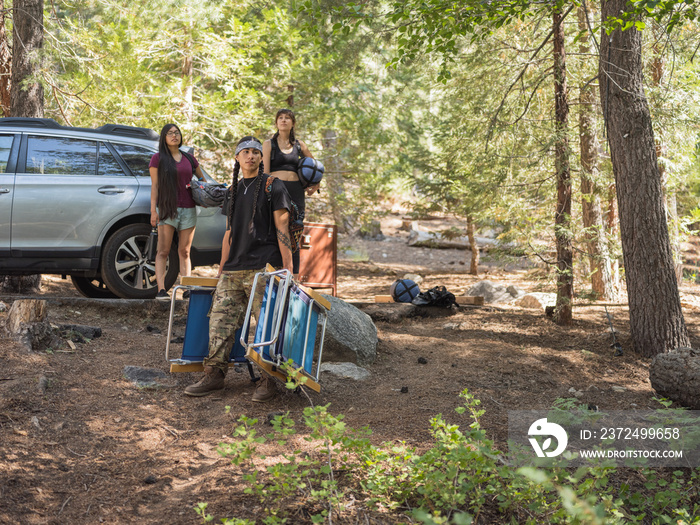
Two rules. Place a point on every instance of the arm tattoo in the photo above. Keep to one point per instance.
(284, 238)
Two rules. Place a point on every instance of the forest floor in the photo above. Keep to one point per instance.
(82, 445)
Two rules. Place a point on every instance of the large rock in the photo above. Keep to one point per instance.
(537, 300)
(148, 377)
(435, 240)
(346, 370)
(493, 293)
(676, 375)
(350, 334)
(418, 279)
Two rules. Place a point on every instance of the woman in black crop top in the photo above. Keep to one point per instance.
(281, 155)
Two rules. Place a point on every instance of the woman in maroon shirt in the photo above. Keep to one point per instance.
(172, 207)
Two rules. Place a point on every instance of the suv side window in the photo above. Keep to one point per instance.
(59, 155)
(108, 165)
(5, 150)
(136, 157)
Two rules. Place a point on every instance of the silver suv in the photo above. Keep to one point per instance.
(76, 201)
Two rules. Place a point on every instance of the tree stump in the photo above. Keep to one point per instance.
(26, 322)
(25, 311)
(28, 284)
(676, 375)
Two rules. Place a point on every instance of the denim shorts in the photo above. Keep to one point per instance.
(185, 219)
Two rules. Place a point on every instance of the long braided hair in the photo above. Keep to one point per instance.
(290, 114)
(234, 191)
(166, 198)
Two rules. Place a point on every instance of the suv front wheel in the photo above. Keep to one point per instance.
(92, 287)
(125, 268)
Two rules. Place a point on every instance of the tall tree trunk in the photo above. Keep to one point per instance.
(334, 179)
(27, 98)
(5, 65)
(658, 69)
(593, 223)
(27, 95)
(656, 318)
(562, 222)
(474, 265)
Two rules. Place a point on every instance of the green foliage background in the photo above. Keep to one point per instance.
(461, 122)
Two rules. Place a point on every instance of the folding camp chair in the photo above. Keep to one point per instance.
(287, 327)
(195, 346)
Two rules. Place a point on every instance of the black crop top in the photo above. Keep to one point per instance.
(280, 161)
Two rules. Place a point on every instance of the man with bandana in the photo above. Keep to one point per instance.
(257, 235)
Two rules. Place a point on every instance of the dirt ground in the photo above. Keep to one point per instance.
(82, 445)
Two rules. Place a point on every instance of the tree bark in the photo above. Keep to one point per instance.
(593, 221)
(613, 234)
(562, 221)
(26, 95)
(25, 311)
(5, 65)
(27, 98)
(656, 318)
(658, 69)
(474, 264)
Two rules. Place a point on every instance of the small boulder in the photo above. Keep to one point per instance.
(515, 292)
(350, 334)
(414, 277)
(148, 377)
(346, 370)
(395, 313)
(492, 293)
(537, 300)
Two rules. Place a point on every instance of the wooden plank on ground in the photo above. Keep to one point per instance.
(470, 299)
(383, 299)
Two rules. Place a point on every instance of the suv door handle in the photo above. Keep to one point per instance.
(4, 190)
(110, 189)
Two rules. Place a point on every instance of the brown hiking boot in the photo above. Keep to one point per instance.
(265, 389)
(212, 381)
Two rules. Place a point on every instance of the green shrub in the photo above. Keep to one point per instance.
(463, 478)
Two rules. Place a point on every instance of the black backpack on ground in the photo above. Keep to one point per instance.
(436, 296)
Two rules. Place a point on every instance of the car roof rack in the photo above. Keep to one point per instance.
(109, 129)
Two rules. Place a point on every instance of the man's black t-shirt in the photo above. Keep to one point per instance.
(252, 251)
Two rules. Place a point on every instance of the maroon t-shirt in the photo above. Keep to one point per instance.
(184, 176)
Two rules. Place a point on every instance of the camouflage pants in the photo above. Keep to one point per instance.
(227, 313)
